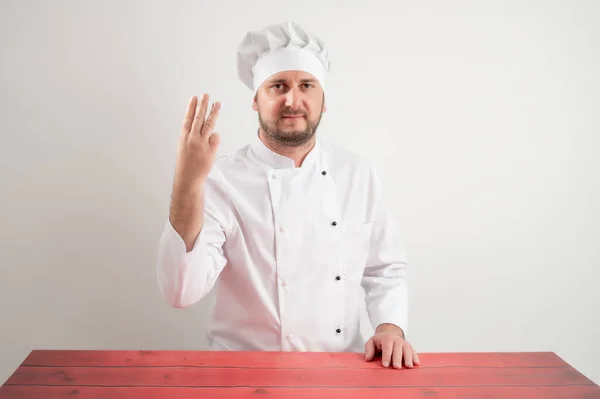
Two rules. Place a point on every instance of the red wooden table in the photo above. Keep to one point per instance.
(97, 374)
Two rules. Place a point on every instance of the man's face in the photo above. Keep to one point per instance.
(290, 105)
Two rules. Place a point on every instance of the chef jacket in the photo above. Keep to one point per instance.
(288, 250)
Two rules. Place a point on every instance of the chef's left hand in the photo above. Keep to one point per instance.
(389, 340)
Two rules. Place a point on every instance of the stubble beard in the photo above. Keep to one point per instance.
(289, 138)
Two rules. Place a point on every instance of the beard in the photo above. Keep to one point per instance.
(291, 137)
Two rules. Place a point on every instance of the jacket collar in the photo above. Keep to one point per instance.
(265, 155)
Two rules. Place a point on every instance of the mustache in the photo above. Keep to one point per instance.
(289, 112)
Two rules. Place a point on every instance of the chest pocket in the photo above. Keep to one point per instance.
(356, 243)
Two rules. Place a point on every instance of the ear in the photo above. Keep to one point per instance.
(255, 103)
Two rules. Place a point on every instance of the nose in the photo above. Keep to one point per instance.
(293, 98)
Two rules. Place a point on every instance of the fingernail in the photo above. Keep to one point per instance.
(386, 364)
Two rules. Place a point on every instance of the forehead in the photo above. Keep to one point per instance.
(292, 76)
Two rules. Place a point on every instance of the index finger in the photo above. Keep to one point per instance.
(199, 114)
(369, 350)
(189, 115)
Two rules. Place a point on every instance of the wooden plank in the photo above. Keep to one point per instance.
(279, 359)
(252, 377)
(56, 392)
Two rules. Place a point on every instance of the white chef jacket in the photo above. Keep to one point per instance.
(288, 250)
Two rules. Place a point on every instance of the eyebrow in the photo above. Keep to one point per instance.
(278, 81)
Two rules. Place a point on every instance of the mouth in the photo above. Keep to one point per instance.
(293, 116)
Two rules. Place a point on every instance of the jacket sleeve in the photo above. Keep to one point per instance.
(185, 278)
(384, 279)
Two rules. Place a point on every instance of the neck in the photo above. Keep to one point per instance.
(297, 154)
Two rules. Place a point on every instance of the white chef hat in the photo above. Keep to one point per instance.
(282, 47)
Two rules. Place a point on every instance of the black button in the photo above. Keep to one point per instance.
(323, 173)
(338, 331)
(334, 223)
(338, 278)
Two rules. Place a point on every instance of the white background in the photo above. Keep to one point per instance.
(482, 118)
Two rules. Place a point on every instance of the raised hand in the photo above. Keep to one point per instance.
(196, 154)
(198, 143)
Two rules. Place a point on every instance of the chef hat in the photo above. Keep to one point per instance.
(282, 47)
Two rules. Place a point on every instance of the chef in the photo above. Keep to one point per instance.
(291, 231)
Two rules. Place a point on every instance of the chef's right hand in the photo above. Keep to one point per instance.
(198, 144)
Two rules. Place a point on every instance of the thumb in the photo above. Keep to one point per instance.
(369, 350)
(214, 140)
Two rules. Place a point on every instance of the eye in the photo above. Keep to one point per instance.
(307, 85)
(277, 86)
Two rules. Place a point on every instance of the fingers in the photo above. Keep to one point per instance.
(369, 350)
(405, 356)
(408, 356)
(416, 358)
(398, 353)
(209, 125)
(199, 115)
(394, 350)
(387, 348)
(189, 116)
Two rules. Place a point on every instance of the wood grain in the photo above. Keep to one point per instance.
(55, 392)
(95, 374)
(279, 359)
(254, 377)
